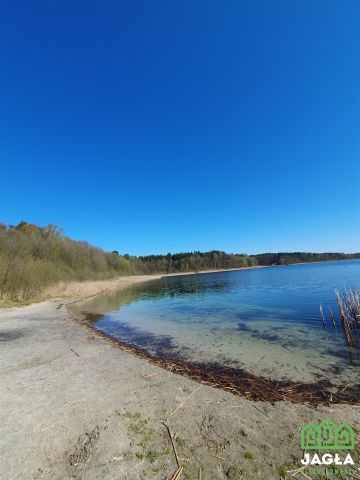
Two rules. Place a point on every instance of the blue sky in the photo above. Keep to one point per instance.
(150, 127)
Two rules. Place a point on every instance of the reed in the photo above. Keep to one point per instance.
(322, 316)
(332, 316)
(349, 320)
(349, 312)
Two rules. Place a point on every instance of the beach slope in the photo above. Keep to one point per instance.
(73, 405)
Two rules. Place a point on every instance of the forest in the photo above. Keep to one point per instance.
(33, 257)
(191, 262)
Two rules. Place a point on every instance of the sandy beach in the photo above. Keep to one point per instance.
(73, 405)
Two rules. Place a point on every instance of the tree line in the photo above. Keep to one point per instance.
(34, 257)
(218, 260)
(287, 258)
(191, 262)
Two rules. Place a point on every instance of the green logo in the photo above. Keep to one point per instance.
(327, 436)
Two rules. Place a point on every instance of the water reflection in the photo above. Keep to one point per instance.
(266, 321)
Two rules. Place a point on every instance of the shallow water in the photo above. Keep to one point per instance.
(266, 321)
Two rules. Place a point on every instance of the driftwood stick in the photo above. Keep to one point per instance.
(216, 456)
(177, 474)
(172, 443)
(181, 404)
(266, 415)
(74, 352)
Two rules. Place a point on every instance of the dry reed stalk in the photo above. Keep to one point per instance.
(340, 304)
(76, 289)
(343, 319)
(349, 312)
(216, 456)
(183, 402)
(322, 316)
(173, 445)
(177, 474)
(89, 288)
(332, 316)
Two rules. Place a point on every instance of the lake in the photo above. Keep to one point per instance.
(266, 321)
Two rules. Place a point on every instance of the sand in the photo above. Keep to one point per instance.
(74, 406)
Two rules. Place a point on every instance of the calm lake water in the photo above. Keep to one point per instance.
(266, 321)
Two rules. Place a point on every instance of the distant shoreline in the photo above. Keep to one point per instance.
(81, 290)
(193, 272)
(176, 274)
(319, 261)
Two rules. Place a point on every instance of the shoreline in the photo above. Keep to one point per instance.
(236, 380)
(96, 412)
(88, 288)
(77, 291)
(177, 274)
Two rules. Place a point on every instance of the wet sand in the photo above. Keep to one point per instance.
(73, 405)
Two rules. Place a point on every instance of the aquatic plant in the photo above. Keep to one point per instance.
(349, 310)
(349, 318)
(349, 305)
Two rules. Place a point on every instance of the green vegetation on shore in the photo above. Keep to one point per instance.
(33, 258)
(191, 262)
(217, 260)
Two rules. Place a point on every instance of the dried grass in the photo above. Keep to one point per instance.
(93, 287)
(349, 311)
(81, 290)
(349, 319)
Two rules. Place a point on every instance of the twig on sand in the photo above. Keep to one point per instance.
(177, 474)
(183, 402)
(298, 470)
(216, 456)
(179, 470)
(74, 352)
(118, 413)
(172, 443)
(295, 472)
(87, 461)
(259, 410)
(306, 476)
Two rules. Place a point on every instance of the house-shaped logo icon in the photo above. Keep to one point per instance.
(327, 436)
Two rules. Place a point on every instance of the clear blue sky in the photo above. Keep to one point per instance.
(156, 126)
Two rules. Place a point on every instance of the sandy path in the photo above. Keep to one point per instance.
(74, 406)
